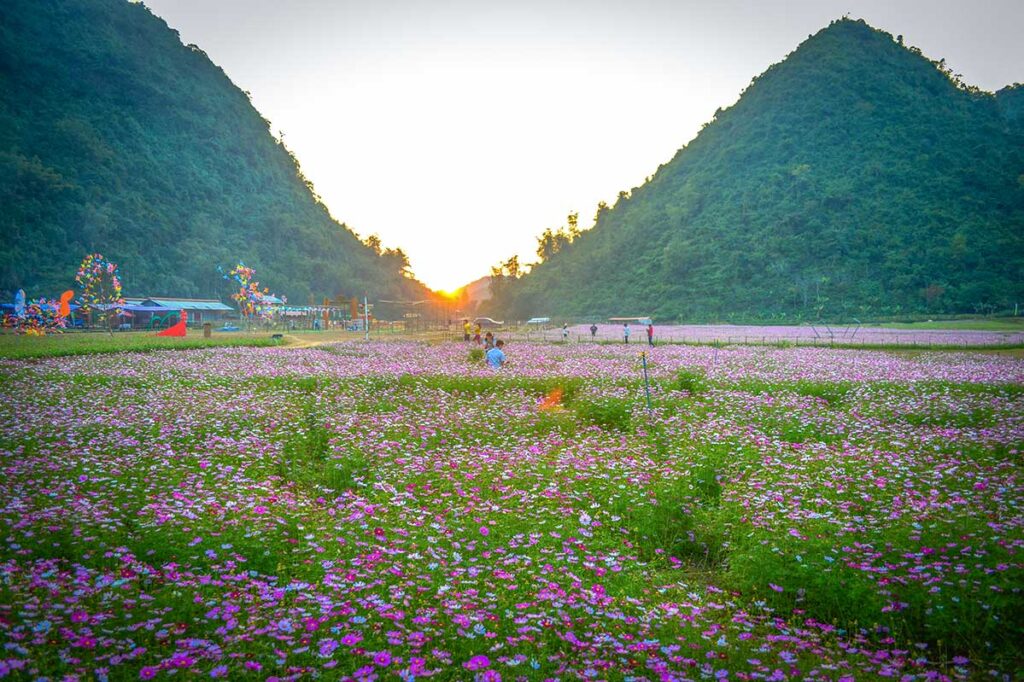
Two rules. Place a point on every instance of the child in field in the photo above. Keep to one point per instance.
(625, 332)
(495, 356)
(466, 330)
(565, 332)
(488, 341)
(593, 331)
(650, 334)
(476, 334)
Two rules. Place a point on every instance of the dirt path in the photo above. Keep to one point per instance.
(296, 342)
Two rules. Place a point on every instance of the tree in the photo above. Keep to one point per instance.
(547, 245)
(397, 260)
(551, 242)
(373, 241)
(574, 228)
(502, 274)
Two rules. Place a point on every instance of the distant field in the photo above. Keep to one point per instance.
(934, 335)
(998, 324)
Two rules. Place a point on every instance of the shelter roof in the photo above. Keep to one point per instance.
(188, 303)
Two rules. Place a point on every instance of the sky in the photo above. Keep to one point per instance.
(458, 130)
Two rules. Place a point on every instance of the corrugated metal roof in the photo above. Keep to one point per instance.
(144, 308)
(185, 304)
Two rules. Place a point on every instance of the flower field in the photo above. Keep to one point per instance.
(820, 334)
(396, 511)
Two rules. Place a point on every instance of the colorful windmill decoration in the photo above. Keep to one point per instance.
(35, 318)
(100, 283)
(252, 301)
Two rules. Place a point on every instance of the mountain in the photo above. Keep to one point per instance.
(477, 291)
(115, 137)
(855, 178)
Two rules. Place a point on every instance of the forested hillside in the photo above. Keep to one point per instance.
(115, 137)
(855, 178)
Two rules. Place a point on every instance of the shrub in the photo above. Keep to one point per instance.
(608, 413)
(690, 380)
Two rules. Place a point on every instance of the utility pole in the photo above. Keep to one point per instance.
(366, 317)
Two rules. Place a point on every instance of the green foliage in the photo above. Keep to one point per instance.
(608, 413)
(310, 458)
(476, 354)
(116, 137)
(830, 392)
(570, 387)
(856, 178)
(690, 380)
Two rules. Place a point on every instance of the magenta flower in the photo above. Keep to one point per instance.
(477, 663)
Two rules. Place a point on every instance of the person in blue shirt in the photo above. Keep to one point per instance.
(495, 356)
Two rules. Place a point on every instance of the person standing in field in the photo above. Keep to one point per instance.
(650, 334)
(488, 341)
(565, 332)
(495, 356)
(466, 329)
(593, 331)
(625, 332)
(476, 333)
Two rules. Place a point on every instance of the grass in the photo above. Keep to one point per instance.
(88, 343)
(988, 324)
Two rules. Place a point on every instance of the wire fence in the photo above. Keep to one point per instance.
(775, 336)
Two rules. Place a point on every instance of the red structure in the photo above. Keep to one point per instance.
(177, 329)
